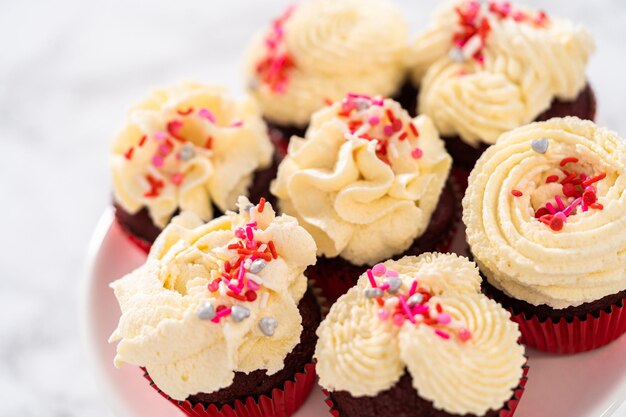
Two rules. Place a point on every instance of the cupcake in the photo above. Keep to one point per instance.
(486, 67)
(367, 181)
(415, 337)
(220, 316)
(545, 211)
(187, 147)
(320, 50)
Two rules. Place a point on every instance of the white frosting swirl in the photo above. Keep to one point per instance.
(364, 355)
(200, 147)
(160, 329)
(527, 259)
(525, 66)
(336, 47)
(355, 195)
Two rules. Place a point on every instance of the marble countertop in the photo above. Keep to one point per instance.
(68, 71)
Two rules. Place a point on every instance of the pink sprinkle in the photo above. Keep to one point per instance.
(572, 206)
(444, 318)
(177, 178)
(413, 288)
(252, 225)
(561, 216)
(374, 120)
(442, 334)
(249, 233)
(420, 309)
(240, 233)
(157, 161)
(242, 274)
(584, 206)
(392, 273)
(384, 287)
(234, 288)
(206, 113)
(383, 314)
(379, 270)
(550, 208)
(220, 314)
(238, 123)
(398, 319)
(417, 153)
(371, 278)
(559, 202)
(164, 149)
(465, 335)
(406, 309)
(388, 130)
(160, 135)
(253, 285)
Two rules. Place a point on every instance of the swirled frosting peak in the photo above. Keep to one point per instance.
(214, 299)
(322, 49)
(545, 210)
(426, 315)
(186, 147)
(365, 179)
(488, 67)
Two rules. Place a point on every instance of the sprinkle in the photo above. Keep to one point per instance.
(589, 197)
(249, 233)
(567, 160)
(252, 285)
(206, 114)
(403, 136)
(456, 54)
(177, 178)
(569, 178)
(379, 270)
(185, 112)
(592, 180)
(373, 120)
(559, 202)
(164, 149)
(262, 202)
(413, 288)
(442, 334)
(572, 206)
(221, 313)
(394, 284)
(398, 319)
(272, 249)
(597, 206)
(214, 285)
(370, 276)
(517, 193)
(417, 153)
(237, 123)
(268, 325)
(388, 130)
(187, 152)
(142, 140)
(209, 142)
(257, 266)
(540, 145)
(552, 178)
(129, 153)
(173, 128)
(542, 211)
(444, 318)
(415, 299)
(160, 135)
(414, 129)
(251, 295)
(206, 311)
(157, 161)
(569, 190)
(465, 335)
(550, 208)
(556, 223)
(264, 299)
(373, 292)
(239, 313)
(383, 314)
(406, 309)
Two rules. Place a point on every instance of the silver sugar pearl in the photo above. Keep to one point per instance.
(394, 284)
(362, 104)
(187, 152)
(373, 292)
(206, 311)
(415, 299)
(248, 208)
(456, 54)
(239, 313)
(540, 145)
(257, 266)
(268, 325)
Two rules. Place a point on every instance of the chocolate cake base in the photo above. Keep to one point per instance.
(140, 224)
(402, 400)
(258, 383)
(544, 312)
(335, 276)
(584, 107)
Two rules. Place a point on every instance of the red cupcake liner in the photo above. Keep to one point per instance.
(508, 410)
(280, 403)
(142, 244)
(576, 335)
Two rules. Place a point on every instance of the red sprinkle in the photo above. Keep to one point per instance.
(567, 160)
(129, 153)
(552, 178)
(589, 197)
(414, 129)
(517, 193)
(592, 180)
(262, 202)
(209, 142)
(542, 211)
(556, 223)
(596, 206)
(185, 112)
(142, 140)
(270, 245)
(250, 295)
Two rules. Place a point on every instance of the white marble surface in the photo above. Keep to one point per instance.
(68, 71)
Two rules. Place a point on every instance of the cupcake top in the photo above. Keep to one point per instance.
(363, 172)
(425, 314)
(485, 67)
(322, 49)
(214, 299)
(545, 212)
(187, 147)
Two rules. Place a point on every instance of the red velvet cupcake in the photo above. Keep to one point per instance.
(220, 317)
(369, 183)
(187, 147)
(484, 68)
(318, 51)
(415, 338)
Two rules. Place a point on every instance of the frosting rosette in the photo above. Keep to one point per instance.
(488, 67)
(421, 315)
(187, 147)
(320, 50)
(545, 209)
(214, 299)
(365, 179)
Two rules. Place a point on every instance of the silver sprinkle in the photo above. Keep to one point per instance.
(362, 104)
(415, 299)
(540, 145)
(268, 325)
(456, 54)
(239, 313)
(394, 284)
(257, 266)
(373, 292)
(187, 152)
(206, 311)
(248, 208)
